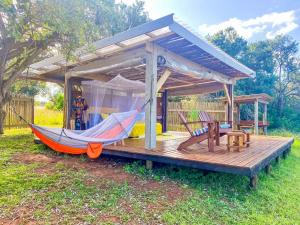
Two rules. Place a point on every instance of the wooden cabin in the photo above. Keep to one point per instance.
(172, 61)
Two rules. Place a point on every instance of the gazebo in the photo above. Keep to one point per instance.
(254, 99)
(171, 60)
(164, 54)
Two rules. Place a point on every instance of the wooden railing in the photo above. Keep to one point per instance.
(24, 106)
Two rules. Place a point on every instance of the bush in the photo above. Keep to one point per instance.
(57, 102)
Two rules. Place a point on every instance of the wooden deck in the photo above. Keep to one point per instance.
(262, 151)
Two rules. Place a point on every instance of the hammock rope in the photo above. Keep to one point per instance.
(73, 138)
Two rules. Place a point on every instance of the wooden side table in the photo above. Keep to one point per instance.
(238, 140)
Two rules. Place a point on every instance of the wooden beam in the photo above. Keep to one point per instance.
(256, 117)
(126, 59)
(238, 113)
(150, 95)
(227, 94)
(181, 81)
(163, 79)
(230, 106)
(189, 85)
(265, 120)
(185, 66)
(164, 111)
(198, 89)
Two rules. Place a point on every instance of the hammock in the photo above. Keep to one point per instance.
(113, 129)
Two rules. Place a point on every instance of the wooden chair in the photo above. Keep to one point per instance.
(210, 133)
(206, 118)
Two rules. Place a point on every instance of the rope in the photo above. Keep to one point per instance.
(18, 115)
(63, 130)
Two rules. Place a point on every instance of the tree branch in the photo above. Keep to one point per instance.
(18, 70)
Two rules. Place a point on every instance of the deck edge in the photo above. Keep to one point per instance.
(254, 170)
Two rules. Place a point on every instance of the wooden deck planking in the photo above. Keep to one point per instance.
(262, 149)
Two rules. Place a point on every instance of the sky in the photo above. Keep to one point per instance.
(253, 19)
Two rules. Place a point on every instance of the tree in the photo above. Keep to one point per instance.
(277, 68)
(230, 42)
(56, 101)
(29, 28)
(28, 87)
(286, 70)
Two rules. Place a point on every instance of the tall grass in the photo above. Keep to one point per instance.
(47, 117)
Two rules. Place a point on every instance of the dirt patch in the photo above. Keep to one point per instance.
(28, 158)
(107, 168)
(167, 192)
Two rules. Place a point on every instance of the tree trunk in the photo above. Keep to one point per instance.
(2, 117)
(3, 101)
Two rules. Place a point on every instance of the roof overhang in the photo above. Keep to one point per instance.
(166, 33)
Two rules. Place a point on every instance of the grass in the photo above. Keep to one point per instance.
(44, 116)
(73, 195)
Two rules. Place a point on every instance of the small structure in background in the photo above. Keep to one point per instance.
(254, 124)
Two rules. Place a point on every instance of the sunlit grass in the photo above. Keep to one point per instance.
(46, 117)
(64, 195)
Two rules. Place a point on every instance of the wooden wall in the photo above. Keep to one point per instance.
(24, 106)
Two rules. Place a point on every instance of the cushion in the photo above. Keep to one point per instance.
(200, 131)
(225, 126)
(139, 129)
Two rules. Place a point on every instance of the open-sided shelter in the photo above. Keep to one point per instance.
(164, 54)
(172, 60)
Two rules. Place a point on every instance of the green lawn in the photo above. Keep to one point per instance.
(43, 187)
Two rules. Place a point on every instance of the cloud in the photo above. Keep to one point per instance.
(269, 25)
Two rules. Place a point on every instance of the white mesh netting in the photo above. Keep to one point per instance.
(116, 95)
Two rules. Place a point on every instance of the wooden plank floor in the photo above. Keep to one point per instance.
(262, 151)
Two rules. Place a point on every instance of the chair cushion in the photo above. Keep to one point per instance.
(225, 126)
(200, 131)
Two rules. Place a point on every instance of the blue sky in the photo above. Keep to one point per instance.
(253, 19)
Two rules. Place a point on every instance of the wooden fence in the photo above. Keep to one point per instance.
(24, 106)
(190, 110)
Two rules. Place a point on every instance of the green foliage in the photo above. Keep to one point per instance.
(230, 42)
(64, 192)
(277, 68)
(223, 199)
(31, 30)
(28, 87)
(57, 102)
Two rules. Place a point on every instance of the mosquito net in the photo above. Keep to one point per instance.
(116, 95)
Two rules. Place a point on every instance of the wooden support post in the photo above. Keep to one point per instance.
(165, 111)
(32, 110)
(268, 169)
(67, 100)
(253, 181)
(230, 103)
(265, 121)
(289, 150)
(149, 164)
(284, 154)
(256, 117)
(151, 87)
(227, 94)
(238, 114)
(277, 159)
